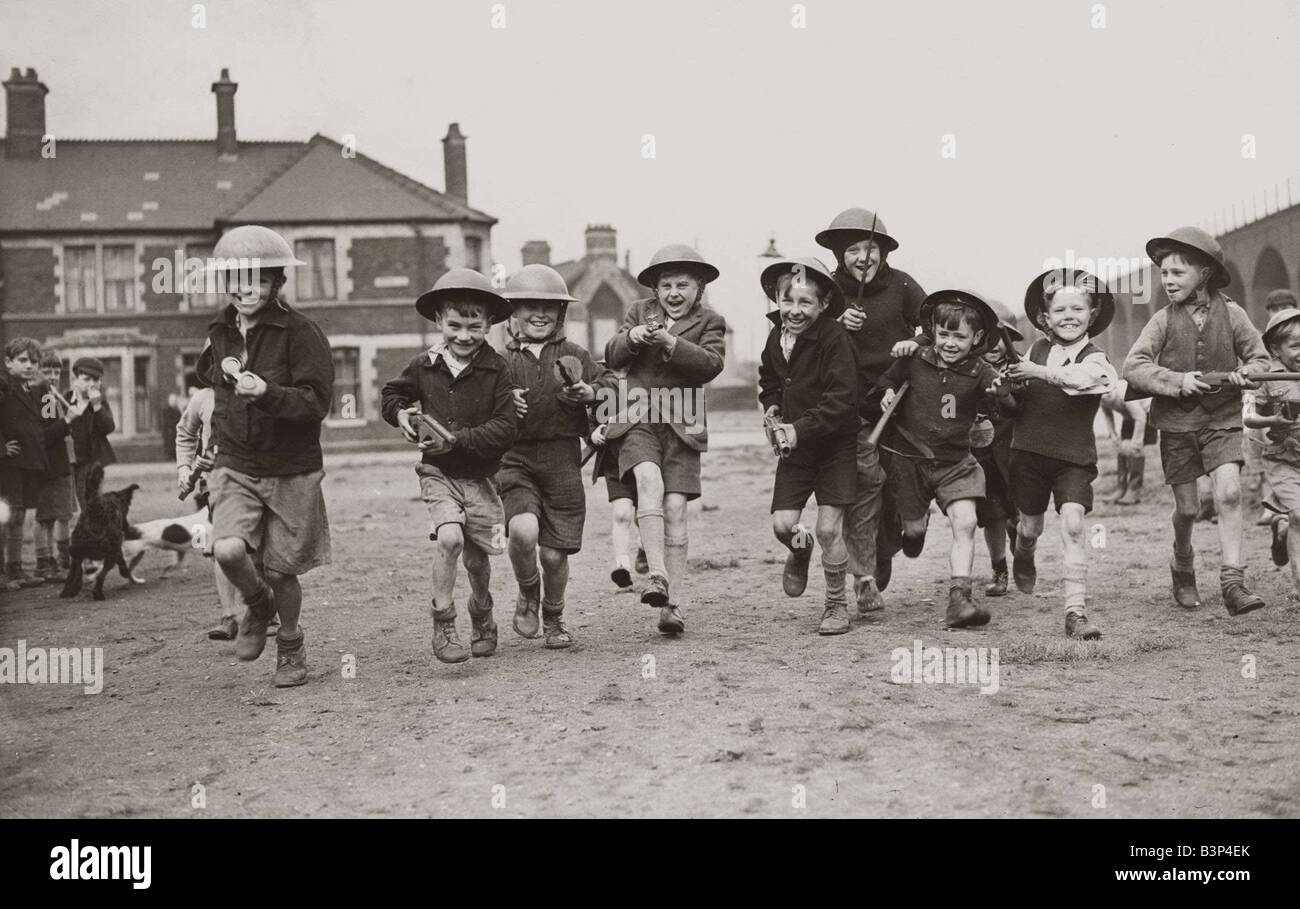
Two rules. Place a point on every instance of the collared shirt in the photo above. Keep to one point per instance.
(787, 343)
(1094, 375)
(454, 365)
(1199, 310)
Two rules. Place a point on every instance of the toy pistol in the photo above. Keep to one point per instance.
(777, 435)
(428, 429)
(568, 369)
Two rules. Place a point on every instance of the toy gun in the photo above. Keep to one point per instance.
(1218, 380)
(196, 474)
(653, 322)
(568, 369)
(887, 413)
(862, 282)
(777, 436)
(428, 429)
(234, 370)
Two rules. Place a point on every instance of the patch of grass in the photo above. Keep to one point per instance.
(1025, 651)
(714, 564)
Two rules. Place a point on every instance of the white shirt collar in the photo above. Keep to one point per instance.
(439, 349)
(1072, 351)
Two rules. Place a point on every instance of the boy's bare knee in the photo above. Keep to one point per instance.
(523, 531)
(783, 523)
(552, 559)
(229, 550)
(963, 520)
(1072, 522)
(1227, 492)
(451, 538)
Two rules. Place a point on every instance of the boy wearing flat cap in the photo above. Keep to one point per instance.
(1200, 331)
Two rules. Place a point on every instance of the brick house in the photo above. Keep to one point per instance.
(92, 231)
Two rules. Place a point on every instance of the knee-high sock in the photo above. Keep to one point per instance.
(44, 539)
(651, 523)
(834, 572)
(675, 562)
(1076, 575)
(14, 537)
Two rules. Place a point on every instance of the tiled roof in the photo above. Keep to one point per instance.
(183, 184)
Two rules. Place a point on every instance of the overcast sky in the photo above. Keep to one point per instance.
(1067, 136)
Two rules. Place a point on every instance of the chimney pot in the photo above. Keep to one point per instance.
(602, 242)
(454, 164)
(225, 90)
(25, 111)
(536, 252)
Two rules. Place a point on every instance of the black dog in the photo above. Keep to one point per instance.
(97, 538)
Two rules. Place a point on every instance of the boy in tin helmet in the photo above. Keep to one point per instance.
(671, 344)
(265, 486)
(882, 308)
(463, 384)
(1200, 331)
(807, 380)
(1055, 391)
(540, 479)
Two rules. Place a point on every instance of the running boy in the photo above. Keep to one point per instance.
(807, 380)
(990, 443)
(929, 436)
(882, 309)
(463, 384)
(1200, 331)
(672, 345)
(266, 485)
(1055, 393)
(540, 478)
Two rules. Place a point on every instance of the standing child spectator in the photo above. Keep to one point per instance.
(1254, 483)
(90, 421)
(807, 381)
(672, 345)
(1200, 331)
(266, 483)
(54, 510)
(1055, 392)
(464, 384)
(1274, 410)
(991, 445)
(1135, 433)
(23, 463)
(929, 435)
(540, 478)
(883, 305)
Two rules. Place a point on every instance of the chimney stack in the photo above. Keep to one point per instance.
(225, 92)
(537, 252)
(25, 107)
(602, 242)
(453, 162)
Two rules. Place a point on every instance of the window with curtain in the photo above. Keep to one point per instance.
(347, 381)
(119, 278)
(142, 398)
(195, 285)
(79, 278)
(315, 280)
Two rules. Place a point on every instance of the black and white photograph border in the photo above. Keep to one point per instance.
(418, 409)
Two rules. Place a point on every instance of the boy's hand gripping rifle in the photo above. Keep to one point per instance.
(1218, 380)
(196, 473)
(887, 414)
(428, 429)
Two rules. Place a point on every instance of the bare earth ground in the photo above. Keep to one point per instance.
(749, 705)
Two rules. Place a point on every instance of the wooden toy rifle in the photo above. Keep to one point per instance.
(196, 473)
(862, 282)
(1218, 380)
(888, 412)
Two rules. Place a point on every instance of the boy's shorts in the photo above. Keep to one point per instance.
(1035, 478)
(834, 481)
(660, 444)
(471, 502)
(1284, 480)
(544, 478)
(282, 518)
(56, 499)
(21, 488)
(916, 482)
(1185, 456)
(996, 504)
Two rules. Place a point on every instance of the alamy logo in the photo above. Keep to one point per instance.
(54, 666)
(102, 863)
(946, 666)
(624, 404)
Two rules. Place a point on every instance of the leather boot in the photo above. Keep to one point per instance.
(446, 644)
(483, 630)
(1121, 477)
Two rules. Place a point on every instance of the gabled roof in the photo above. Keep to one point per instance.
(183, 184)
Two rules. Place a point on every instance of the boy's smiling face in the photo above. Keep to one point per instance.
(1069, 314)
(537, 319)
(677, 292)
(800, 302)
(22, 366)
(863, 257)
(250, 297)
(464, 325)
(1286, 346)
(953, 344)
(1180, 278)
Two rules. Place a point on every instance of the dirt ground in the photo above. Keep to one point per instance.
(750, 713)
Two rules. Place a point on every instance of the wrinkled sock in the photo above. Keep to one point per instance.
(1025, 547)
(834, 572)
(1230, 575)
(675, 563)
(1076, 575)
(14, 537)
(651, 524)
(1184, 560)
(530, 587)
(44, 539)
(960, 582)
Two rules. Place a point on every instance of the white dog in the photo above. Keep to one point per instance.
(178, 535)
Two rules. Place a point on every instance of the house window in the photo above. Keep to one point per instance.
(198, 281)
(79, 278)
(142, 397)
(474, 253)
(111, 387)
(347, 382)
(315, 280)
(119, 278)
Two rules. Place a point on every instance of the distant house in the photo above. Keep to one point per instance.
(89, 230)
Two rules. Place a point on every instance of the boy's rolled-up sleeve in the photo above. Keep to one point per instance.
(306, 396)
(189, 431)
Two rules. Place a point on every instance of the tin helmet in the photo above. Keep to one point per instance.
(1195, 239)
(465, 283)
(676, 256)
(1052, 280)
